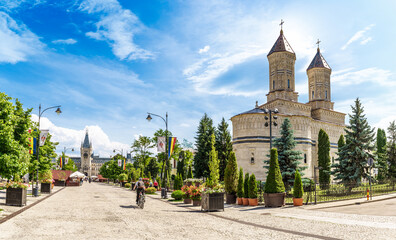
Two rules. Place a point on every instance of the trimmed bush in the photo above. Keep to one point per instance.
(252, 186)
(150, 190)
(177, 195)
(127, 185)
(297, 188)
(240, 184)
(246, 186)
(231, 175)
(274, 183)
(122, 177)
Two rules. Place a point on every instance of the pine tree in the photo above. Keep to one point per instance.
(252, 187)
(203, 144)
(274, 182)
(352, 157)
(223, 146)
(341, 142)
(240, 184)
(246, 186)
(298, 191)
(391, 154)
(231, 175)
(181, 165)
(324, 159)
(190, 172)
(382, 164)
(289, 159)
(213, 165)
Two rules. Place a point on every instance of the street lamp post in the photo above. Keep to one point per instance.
(166, 148)
(58, 111)
(120, 151)
(316, 168)
(270, 112)
(64, 151)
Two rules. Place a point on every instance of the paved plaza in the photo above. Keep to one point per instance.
(102, 211)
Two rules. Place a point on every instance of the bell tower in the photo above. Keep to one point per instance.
(86, 153)
(319, 82)
(281, 60)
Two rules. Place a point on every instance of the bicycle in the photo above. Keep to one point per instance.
(141, 200)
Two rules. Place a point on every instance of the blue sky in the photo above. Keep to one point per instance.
(108, 62)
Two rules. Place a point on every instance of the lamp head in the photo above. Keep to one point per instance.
(149, 117)
(58, 111)
(72, 149)
(276, 110)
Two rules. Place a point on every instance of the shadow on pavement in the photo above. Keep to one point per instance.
(130, 206)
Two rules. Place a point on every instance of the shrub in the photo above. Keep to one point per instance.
(122, 177)
(127, 185)
(150, 190)
(274, 183)
(297, 188)
(186, 190)
(246, 186)
(46, 177)
(177, 195)
(240, 184)
(252, 186)
(231, 175)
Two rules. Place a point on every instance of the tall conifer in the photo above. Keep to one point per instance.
(391, 154)
(324, 159)
(223, 146)
(381, 154)
(203, 144)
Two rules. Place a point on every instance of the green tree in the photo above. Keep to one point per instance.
(110, 170)
(231, 175)
(323, 159)
(274, 182)
(70, 166)
(141, 147)
(381, 164)
(182, 165)
(203, 145)
(213, 165)
(223, 146)
(153, 168)
(240, 193)
(14, 125)
(190, 173)
(289, 159)
(341, 142)
(352, 159)
(298, 191)
(391, 153)
(246, 186)
(252, 187)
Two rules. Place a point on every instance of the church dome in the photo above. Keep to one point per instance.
(281, 45)
(318, 61)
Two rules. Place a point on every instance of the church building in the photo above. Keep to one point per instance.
(251, 130)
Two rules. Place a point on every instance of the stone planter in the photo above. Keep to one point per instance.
(196, 202)
(212, 201)
(240, 201)
(245, 201)
(45, 188)
(298, 201)
(61, 183)
(16, 196)
(187, 201)
(188, 184)
(230, 198)
(274, 199)
(253, 201)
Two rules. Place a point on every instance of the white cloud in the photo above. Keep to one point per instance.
(366, 40)
(9, 5)
(357, 36)
(374, 75)
(71, 138)
(118, 26)
(17, 41)
(204, 50)
(68, 41)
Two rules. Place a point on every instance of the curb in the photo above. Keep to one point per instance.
(353, 204)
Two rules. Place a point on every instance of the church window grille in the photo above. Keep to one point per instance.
(252, 159)
(305, 158)
(288, 83)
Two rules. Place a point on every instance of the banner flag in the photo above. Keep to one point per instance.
(66, 160)
(160, 144)
(119, 162)
(31, 145)
(171, 145)
(60, 162)
(34, 145)
(123, 168)
(43, 137)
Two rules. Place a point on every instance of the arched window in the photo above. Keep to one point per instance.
(273, 84)
(326, 94)
(312, 94)
(288, 83)
(305, 158)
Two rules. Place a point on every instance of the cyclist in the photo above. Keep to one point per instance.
(139, 185)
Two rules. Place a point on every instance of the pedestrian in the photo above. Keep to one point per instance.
(151, 184)
(156, 184)
(90, 180)
(81, 181)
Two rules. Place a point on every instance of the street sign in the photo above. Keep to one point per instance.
(370, 162)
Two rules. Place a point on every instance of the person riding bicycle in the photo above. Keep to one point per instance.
(139, 185)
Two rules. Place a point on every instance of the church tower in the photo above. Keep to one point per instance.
(86, 153)
(319, 82)
(281, 60)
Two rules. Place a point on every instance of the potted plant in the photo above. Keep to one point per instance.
(196, 195)
(188, 182)
(240, 187)
(16, 193)
(298, 191)
(122, 178)
(62, 179)
(274, 192)
(231, 179)
(245, 198)
(253, 201)
(46, 181)
(187, 194)
(197, 182)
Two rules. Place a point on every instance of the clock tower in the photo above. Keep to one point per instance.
(86, 156)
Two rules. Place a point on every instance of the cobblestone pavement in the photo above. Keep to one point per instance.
(101, 211)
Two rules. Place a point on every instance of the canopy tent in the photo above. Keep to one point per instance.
(94, 177)
(77, 174)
